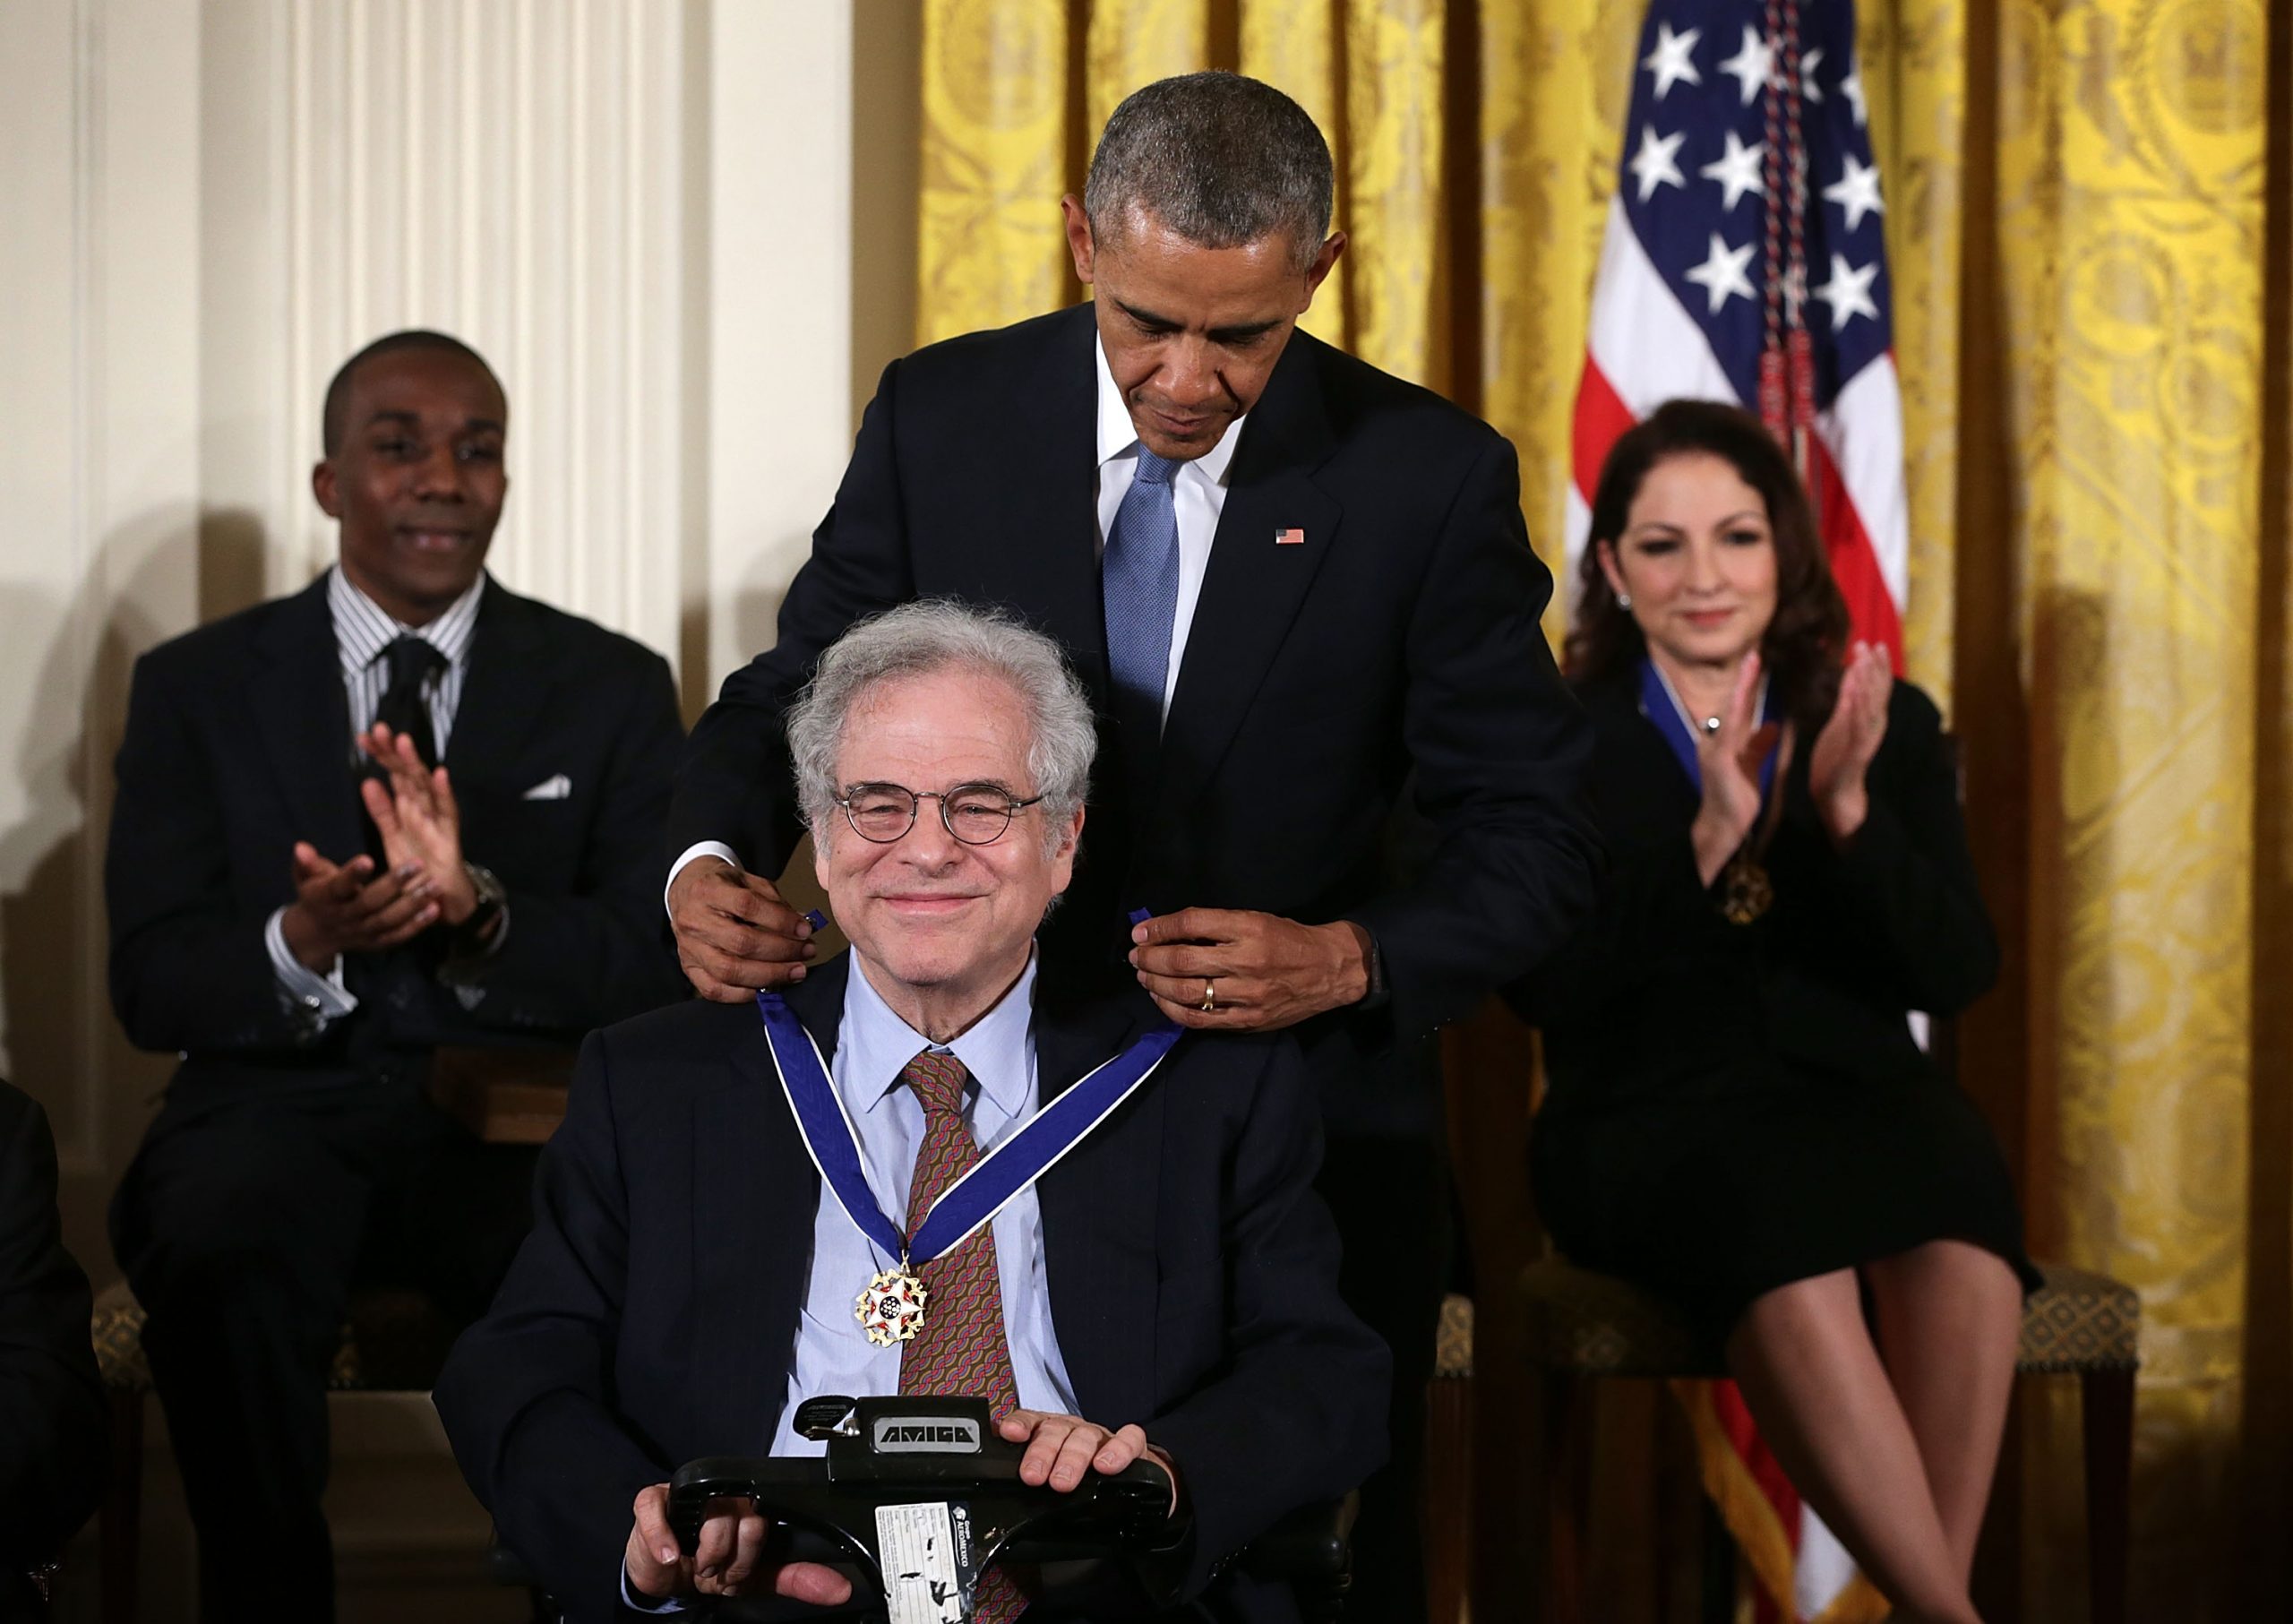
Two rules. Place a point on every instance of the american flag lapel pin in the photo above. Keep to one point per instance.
(1290, 538)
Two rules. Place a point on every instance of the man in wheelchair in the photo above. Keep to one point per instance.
(907, 1177)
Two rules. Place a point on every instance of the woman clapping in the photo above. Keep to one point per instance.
(1739, 1118)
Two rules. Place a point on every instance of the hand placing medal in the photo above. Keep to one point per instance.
(1239, 970)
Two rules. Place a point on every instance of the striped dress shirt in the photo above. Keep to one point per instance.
(363, 629)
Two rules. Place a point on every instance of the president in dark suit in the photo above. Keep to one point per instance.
(401, 809)
(1169, 1288)
(1294, 586)
(53, 1453)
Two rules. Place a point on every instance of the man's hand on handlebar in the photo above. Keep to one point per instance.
(724, 1561)
(735, 934)
(1061, 1448)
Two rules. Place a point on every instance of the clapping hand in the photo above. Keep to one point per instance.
(419, 820)
(346, 907)
(724, 1561)
(1837, 770)
(1728, 760)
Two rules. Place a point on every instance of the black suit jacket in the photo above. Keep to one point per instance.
(652, 1316)
(237, 745)
(53, 1423)
(1894, 922)
(1399, 643)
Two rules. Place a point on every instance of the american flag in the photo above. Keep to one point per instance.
(1745, 261)
(1707, 273)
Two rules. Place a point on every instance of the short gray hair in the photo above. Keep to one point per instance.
(1221, 159)
(934, 635)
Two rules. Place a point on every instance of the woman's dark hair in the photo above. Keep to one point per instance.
(1806, 640)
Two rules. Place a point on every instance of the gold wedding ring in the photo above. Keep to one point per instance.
(1208, 1002)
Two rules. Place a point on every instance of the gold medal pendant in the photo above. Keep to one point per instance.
(1749, 894)
(891, 1310)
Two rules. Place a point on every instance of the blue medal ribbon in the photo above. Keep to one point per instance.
(981, 1193)
(1663, 709)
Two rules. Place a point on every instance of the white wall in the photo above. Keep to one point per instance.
(644, 211)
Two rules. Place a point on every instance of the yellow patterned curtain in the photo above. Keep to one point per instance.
(2089, 217)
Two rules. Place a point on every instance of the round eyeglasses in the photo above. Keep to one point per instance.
(976, 814)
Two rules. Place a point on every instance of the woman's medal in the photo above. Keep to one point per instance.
(1750, 893)
(893, 1306)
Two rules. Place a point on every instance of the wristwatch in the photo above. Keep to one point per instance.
(1378, 990)
(493, 896)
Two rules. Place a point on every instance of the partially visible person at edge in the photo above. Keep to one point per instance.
(401, 808)
(1294, 586)
(53, 1453)
(1739, 1118)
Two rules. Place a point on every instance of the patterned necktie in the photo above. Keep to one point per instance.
(960, 1351)
(414, 660)
(1139, 582)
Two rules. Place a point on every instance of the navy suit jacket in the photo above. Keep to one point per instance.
(237, 745)
(652, 1316)
(1396, 652)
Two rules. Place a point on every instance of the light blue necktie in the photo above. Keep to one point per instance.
(1139, 584)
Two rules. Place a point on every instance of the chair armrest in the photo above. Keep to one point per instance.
(504, 1096)
(1312, 1546)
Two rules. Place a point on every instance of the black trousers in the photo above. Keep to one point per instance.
(1389, 1195)
(243, 1224)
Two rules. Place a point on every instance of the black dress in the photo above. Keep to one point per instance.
(1733, 1107)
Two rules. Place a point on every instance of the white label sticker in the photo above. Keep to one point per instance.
(926, 1560)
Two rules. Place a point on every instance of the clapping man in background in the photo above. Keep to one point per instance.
(401, 809)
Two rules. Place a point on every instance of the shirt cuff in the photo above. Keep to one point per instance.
(1381, 992)
(699, 848)
(637, 1603)
(316, 998)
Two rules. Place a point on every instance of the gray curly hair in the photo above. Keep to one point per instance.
(941, 634)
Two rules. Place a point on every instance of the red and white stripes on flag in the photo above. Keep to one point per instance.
(1693, 268)
(1744, 261)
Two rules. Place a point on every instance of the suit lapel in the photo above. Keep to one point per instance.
(1039, 552)
(1098, 1210)
(1252, 590)
(755, 1195)
(505, 691)
(299, 705)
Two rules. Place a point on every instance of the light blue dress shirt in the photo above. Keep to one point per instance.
(873, 1046)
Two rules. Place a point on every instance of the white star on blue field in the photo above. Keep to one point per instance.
(1696, 178)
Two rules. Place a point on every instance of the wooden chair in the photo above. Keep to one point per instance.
(392, 1341)
(1584, 1327)
(1448, 1508)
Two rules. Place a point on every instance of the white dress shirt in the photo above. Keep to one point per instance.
(363, 629)
(1198, 495)
(832, 1353)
